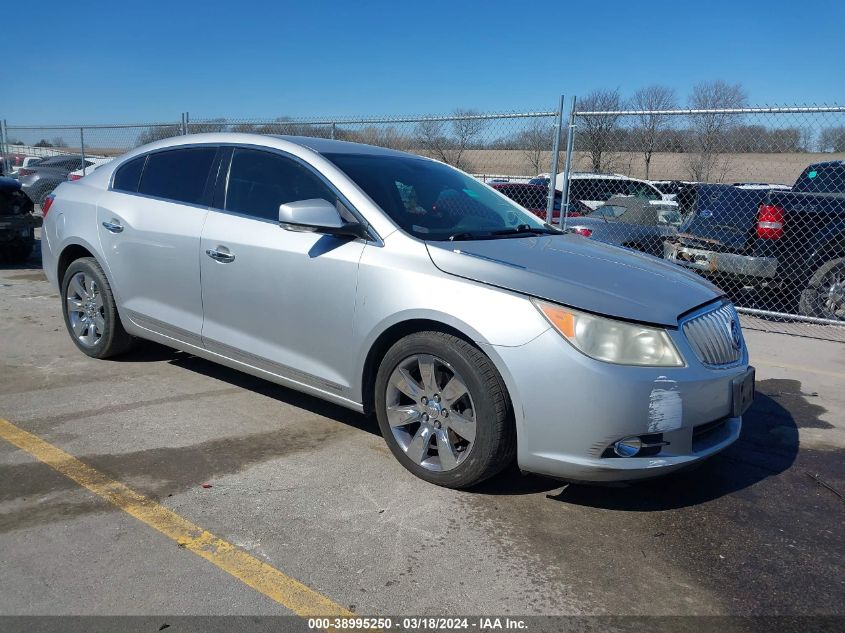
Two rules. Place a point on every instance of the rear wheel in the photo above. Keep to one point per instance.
(824, 296)
(443, 410)
(90, 313)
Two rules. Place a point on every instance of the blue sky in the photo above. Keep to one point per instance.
(148, 60)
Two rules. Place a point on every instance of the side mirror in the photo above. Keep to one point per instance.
(317, 216)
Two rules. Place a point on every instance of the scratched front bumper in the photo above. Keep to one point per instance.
(571, 408)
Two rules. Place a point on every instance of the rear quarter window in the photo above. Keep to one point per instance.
(179, 175)
(128, 175)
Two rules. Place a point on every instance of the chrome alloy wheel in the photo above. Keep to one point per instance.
(831, 294)
(85, 311)
(430, 412)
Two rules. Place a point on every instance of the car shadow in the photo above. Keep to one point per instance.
(768, 444)
(147, 351)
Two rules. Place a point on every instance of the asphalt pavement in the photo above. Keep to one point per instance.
(310, 490)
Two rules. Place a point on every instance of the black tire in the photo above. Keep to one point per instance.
(114, 339)
(494, 447)
(813, 297)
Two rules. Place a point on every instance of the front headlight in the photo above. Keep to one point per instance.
(610, 340)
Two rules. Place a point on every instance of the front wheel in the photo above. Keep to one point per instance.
(824, 296)
(443, 410)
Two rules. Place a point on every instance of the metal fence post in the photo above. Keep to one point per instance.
(82, 148)
(567, 166)
(182, 125)
(334, 130)
(550, 203)
(187, 123)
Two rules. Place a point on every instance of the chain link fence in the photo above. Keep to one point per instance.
(751, 198)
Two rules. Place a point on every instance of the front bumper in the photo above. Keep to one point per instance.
(570, 409)
(715, 262)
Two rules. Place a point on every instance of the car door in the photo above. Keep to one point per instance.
(150, 222)
(276, 299)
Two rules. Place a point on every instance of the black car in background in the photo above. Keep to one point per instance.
(788, 245)
(17, 222)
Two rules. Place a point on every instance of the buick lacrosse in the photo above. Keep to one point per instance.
(390, 283)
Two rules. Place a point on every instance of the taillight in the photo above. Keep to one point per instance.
(74, 176)
(48, 202)
(25, 172)
(582, 231)
(770, 222)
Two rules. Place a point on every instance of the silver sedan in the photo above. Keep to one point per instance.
(396, 285)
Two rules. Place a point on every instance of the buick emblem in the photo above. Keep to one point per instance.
(736, 336)
(706, 213)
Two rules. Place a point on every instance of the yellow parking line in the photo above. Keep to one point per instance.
(782, 365)
(287, 591)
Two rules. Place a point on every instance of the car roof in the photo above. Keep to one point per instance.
(318, 145)
(829, 163)
(583, 175)
(332, 146)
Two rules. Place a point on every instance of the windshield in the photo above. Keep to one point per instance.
(670, 216)
(608, 212)
(432, 201)
(643, 190)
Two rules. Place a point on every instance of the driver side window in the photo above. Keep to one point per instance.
(260, 181)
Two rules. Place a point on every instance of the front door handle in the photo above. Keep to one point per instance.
(220, 254)
(113, 226)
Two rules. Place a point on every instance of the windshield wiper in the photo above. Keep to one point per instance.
(522, 229)
(526, 229)
(460, 237)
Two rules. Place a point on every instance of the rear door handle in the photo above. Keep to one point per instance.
(113, 225)
(220, 254)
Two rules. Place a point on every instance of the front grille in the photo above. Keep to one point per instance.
(713, 335)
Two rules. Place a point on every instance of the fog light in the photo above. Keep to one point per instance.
(628, 447)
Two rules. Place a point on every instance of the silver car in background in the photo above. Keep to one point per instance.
(395, 284)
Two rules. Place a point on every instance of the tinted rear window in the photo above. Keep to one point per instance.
(178, 174)
(821, 179)
(129, 174)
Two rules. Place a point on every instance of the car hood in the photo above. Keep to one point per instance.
(580, 273)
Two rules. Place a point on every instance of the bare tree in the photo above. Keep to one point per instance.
(832, 139)
(651, 124)
(466, 130)
(432, 140)
(536, 142)
(710, 137)
(431, 136)
(157, 133)
(383, 136)
(58, 141)
(597, 133)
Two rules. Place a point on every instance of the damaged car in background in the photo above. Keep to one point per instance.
(17, 222)
(393, 284)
